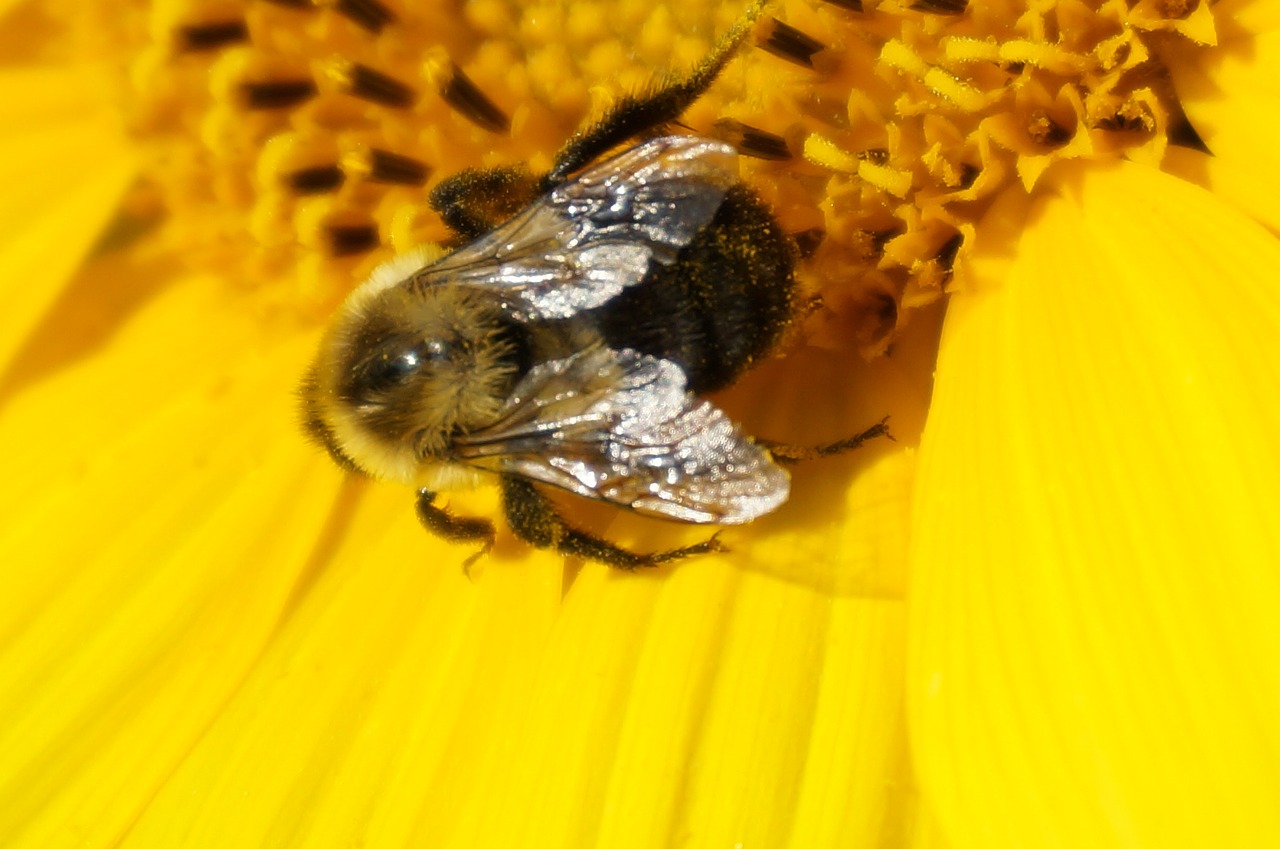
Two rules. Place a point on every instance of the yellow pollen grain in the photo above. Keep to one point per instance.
(895, 54)
(972, 50)
(1049, 57)
(891, 180)
(823, 151)
(965, 96)
(436, 66)
(338, 71)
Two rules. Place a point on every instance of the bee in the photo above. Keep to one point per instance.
(572, 343)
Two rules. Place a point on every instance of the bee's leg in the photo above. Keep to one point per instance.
(474, 201)
(534, 519)
(784, 453)
(454, 528)
(633, 115)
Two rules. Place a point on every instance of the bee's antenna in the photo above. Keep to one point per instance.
(633, 115)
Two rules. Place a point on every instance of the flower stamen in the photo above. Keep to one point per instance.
(787, 42)
(904, 121)
(465, 96)
(277, 94)
(196, 38)
(360, 80)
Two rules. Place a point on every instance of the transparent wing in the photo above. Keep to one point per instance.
(590, 237)
(620, 427)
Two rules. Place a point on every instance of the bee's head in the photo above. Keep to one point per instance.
(402, 370)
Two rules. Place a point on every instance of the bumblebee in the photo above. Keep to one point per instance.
(571, 344)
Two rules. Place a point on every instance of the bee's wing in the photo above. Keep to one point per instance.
(592, 236)
(620, 427)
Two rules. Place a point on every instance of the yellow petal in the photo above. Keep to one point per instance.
(771, 708)
(1248, 15)
(382, 698)
(65, 165)
(1094, 577)
(401, 704)
(1250, 189)
(1230, 92)
(161, 513)
(226, 653)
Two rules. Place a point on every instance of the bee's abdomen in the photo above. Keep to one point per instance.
(720, 306)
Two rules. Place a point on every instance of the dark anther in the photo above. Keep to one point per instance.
(874, 155)
(752, 141)
(946, 255)
(885, 308)
(941, 7)
(1176, 10)
(466, 97)
(789, 43)
(1183, 134)
(351, 239)
(851, 5)
(369, 14)
(1121, 55)
(313, 181)
(1129, 121)
(808, 241)
(388, 167)
(194, 38)
(278, 94)
(880, 238)
(1046, 131)
(367, 84)
(968, 174)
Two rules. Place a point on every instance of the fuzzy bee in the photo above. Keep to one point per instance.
(571, 344)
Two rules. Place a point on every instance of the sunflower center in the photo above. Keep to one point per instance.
(296, 140)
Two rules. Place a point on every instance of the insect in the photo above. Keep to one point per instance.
(570, 342)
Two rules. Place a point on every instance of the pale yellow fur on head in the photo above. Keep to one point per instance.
(466, 397)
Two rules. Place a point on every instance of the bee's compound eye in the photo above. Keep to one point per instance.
(396, 362)
(395, 367)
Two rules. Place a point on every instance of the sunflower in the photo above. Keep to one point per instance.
(1043, 617)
